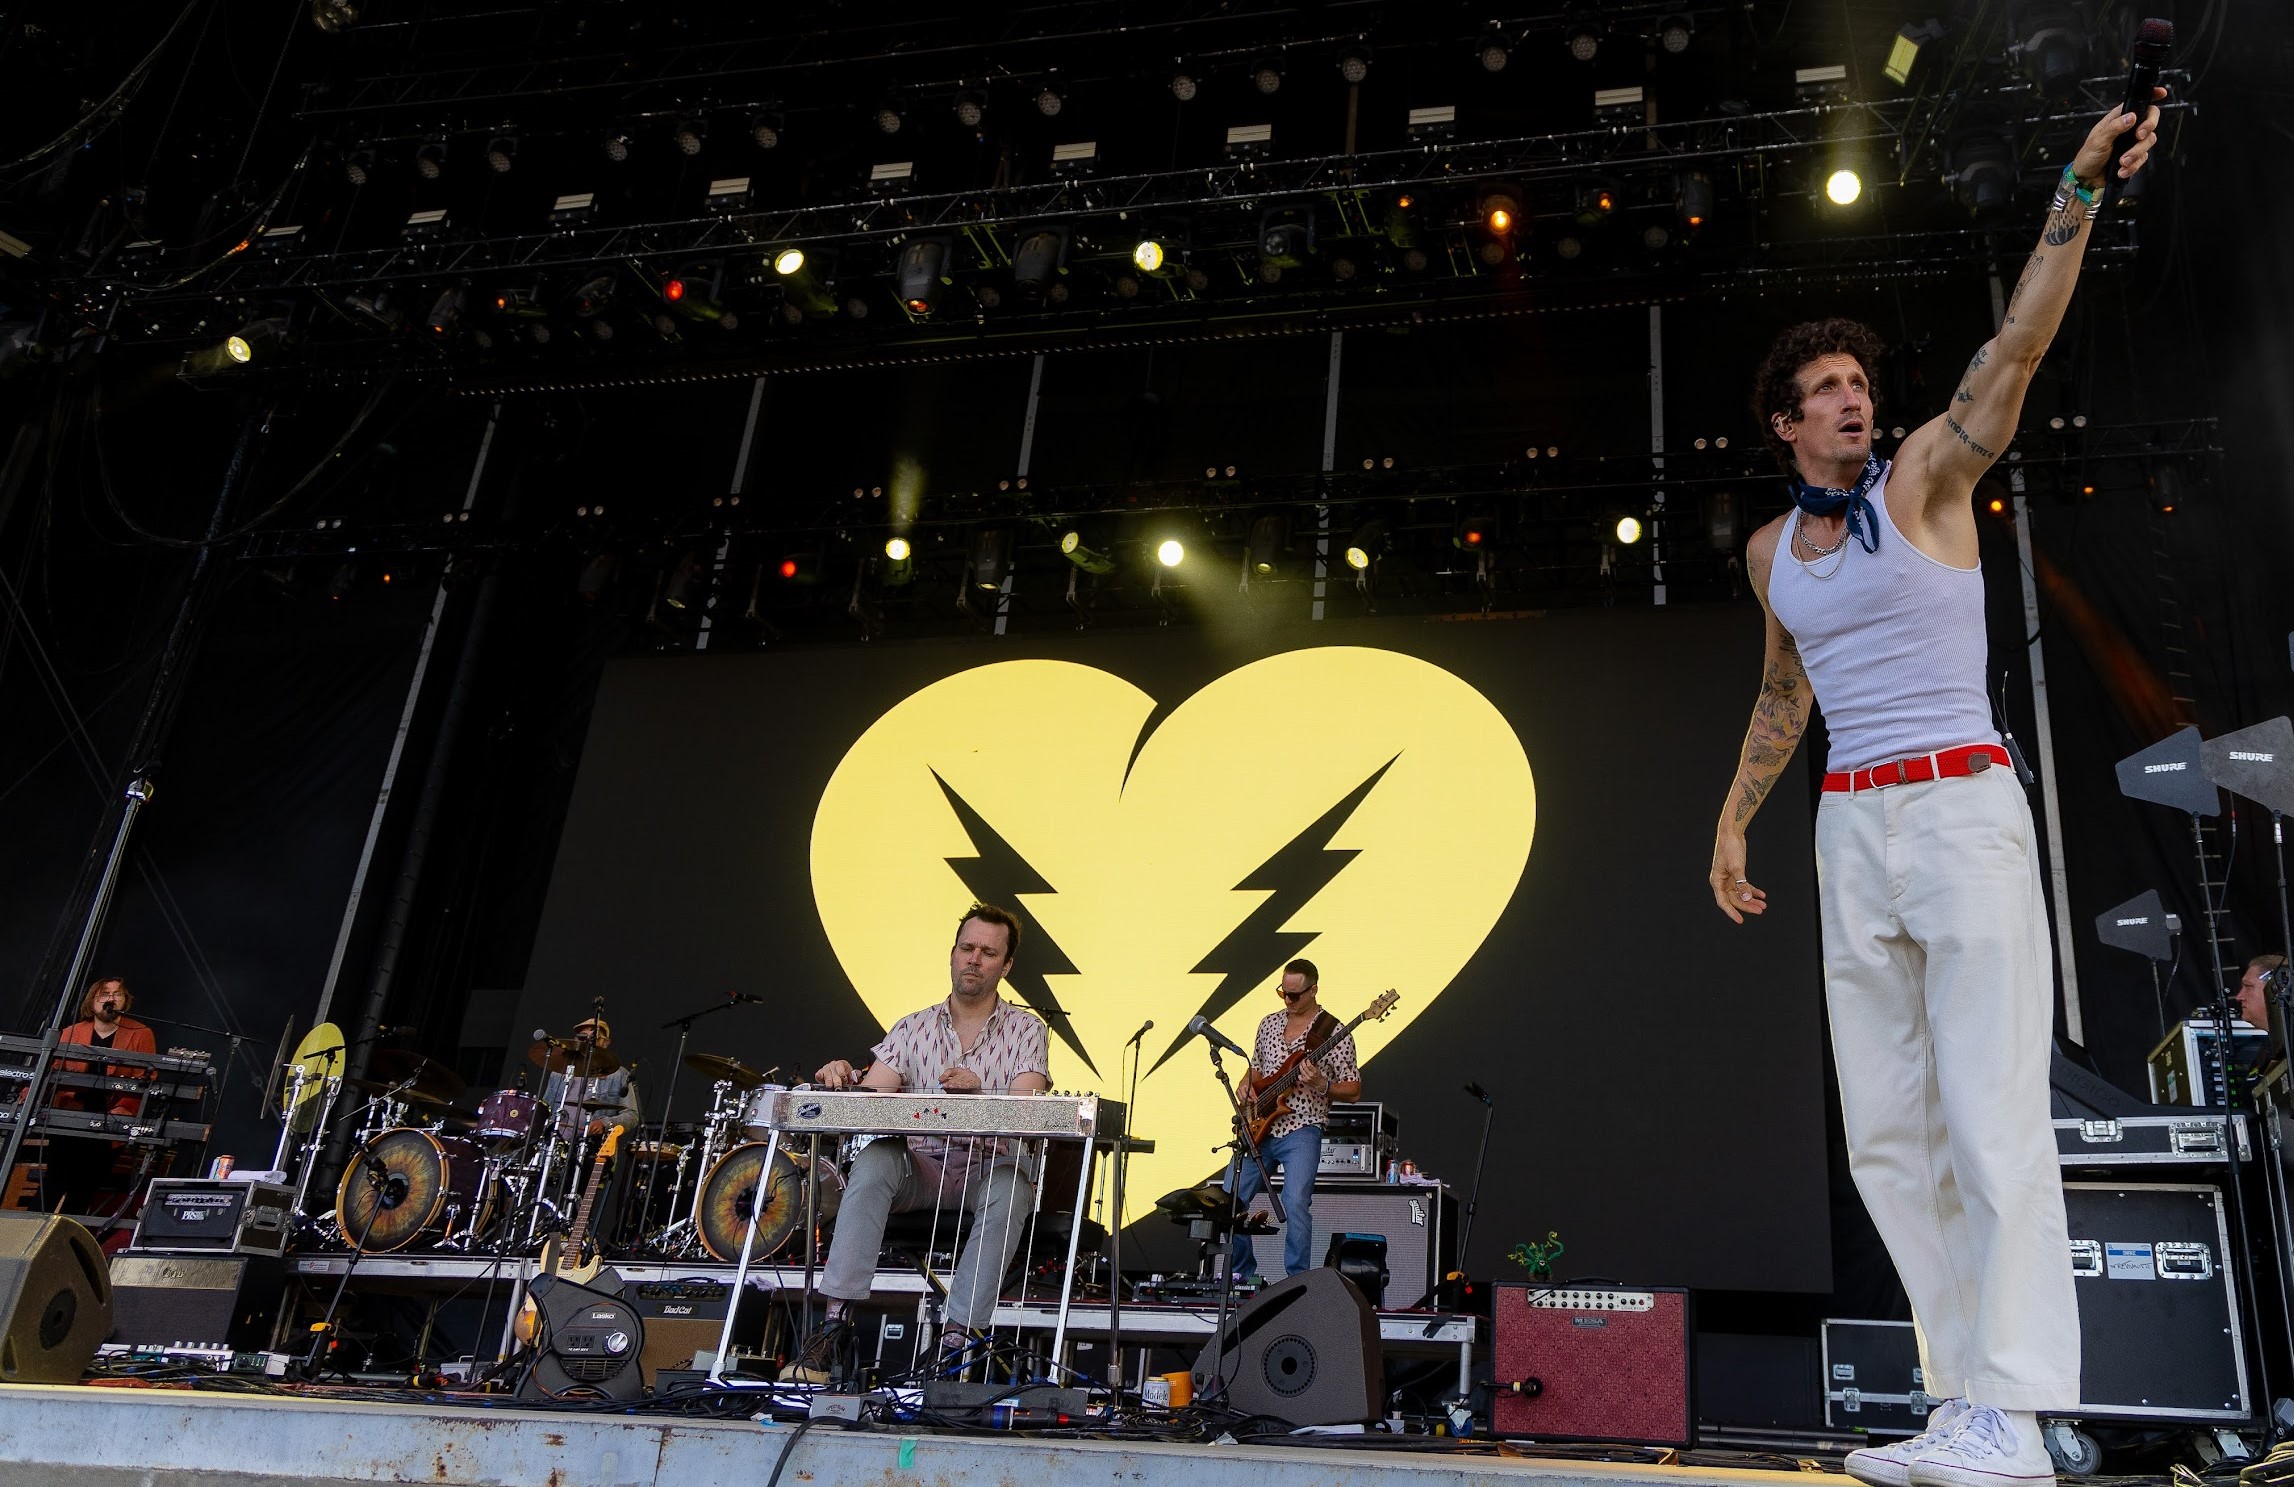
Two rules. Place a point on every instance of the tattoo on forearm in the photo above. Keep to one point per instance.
(1953, 423)
(1967, 379)
(2030, 272)
(1779, 717)
(2064, 222)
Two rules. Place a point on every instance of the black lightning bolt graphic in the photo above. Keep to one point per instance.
(1290, 878)
(997, 874)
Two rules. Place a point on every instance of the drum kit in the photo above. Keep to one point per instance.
(435, 1170)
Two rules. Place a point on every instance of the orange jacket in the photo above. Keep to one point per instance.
(132, 1037)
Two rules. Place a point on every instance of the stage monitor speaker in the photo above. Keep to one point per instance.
(1305, 1351)
(55, 1299)
(589, 1343)
(1592, 1363)
(220, 1300)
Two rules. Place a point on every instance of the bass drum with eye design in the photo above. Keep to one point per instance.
(409, 1185)
(729, 1194)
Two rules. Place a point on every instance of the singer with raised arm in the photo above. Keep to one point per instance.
(1293, 1142)
(1936, 954)
(974, 1042)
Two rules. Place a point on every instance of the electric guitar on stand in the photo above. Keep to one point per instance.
(573, 1254)
(582, 1338)
(1266, 1100)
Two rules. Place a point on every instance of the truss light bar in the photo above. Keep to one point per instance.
(1247, 140)
(1821, 82)
(1081, 153)
(892, 173)
(729, 194)
(1610, 103)
(1438, 122)
(282, 238)
(425, 224)
(572, 208)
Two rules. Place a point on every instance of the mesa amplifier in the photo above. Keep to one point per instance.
(1418, 1221)
(223, 1301)
(1591, 1363)
(685, 1317)
(2159, 1329)
(196, 1215)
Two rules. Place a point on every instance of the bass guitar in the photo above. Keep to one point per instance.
(1267, 1099)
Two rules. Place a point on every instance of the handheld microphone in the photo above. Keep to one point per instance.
(1201, 1027)
(1144, 1029)
(2154, 41)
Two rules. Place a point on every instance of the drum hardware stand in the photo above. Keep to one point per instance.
(684, 1026)
(1224, 1247)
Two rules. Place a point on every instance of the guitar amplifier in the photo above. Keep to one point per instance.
(222, 1300)
(685, 1317)
(1589, 1363)
(215, 1216)
(1418, 1222)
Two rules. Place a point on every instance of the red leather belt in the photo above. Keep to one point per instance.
(1941, 765)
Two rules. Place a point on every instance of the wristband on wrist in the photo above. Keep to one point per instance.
(2071, 183)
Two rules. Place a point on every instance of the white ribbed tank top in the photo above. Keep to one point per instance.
(1893, 642)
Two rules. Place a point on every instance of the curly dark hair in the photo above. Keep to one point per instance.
(1776, 389)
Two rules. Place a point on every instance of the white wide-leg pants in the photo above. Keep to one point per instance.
(1936, 969)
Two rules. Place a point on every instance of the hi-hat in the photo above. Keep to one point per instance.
(572, 1058)
(731, 1070)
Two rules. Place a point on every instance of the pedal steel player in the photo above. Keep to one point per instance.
(1936, 956)
(1294, 1142)
(973, 1042)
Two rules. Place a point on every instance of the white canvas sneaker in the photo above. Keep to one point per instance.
(1891, 1466)
(1988, 1448)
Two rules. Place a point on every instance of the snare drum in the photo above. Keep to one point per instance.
(508, 1115)
(428, 1187)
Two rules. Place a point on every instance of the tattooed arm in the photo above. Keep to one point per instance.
(1779, 717)
(1946, 457)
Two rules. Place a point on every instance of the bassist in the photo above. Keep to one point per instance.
(1294, 1141)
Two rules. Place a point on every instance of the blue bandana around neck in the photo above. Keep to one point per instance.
(1863, 522)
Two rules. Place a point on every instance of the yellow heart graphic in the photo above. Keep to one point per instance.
(1361, 807)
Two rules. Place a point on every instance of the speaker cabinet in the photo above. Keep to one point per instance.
(1305, 1351)
(216, 1300)
(1419, 1222)
(55, 1299)
(1592, 1363)
(590, 1341)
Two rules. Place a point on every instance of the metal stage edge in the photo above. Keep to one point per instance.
(97, 1437)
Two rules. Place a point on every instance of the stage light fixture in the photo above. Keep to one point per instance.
(1366, 543)
(1040, 257)
(1266, 76)
(673, 290)
(334, 16)
(616, 147)
(238, 350)
(971, 108)
(765, 129)
(1628, 530)
(1354, 63)
(1821, 84)
(897, 549)
(1998, 506)
(920, 272)
(686, 580)
(1843, 186)
(1674, 33)
(1170, 552)
(1584, 41)
(573, 207)
(788, 261)
(502, 153)
(1693, 197)
(1569, 247)
(357, 165)
(1431, 124)
(1269, 540)
(1050, 99)
(1286, 236)
(445, 311)
(1148, 256)
(690, 135)
(1183, 85)
(1475, 533)
(889, 118)
(727, 194)
(1912, 39)
(799, 568)
(1090, 559)
(1981, 165)
(430, 159)
(1500, 208)
(1494, 52)
(1655, 236)
(1595, 202)
(2047, 44)
(991, 557)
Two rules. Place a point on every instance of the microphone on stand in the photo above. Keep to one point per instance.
(1201, 1027)
(1144, 1029)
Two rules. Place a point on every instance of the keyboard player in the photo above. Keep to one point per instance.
(79, 1169)
(974, 1042)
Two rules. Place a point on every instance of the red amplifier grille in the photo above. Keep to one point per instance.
(1610, 1364)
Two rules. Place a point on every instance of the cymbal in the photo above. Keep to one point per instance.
(731, 1070)
(573, 1059)
(426, 1076)
(428, 1104)
(319, 1055)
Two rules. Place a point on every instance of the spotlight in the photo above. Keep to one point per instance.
(1843, 186)
(920, 272)
(1904, 52)
(765, 129)
(897, 549)
(1569, 247)
(1628, 530)
(689, 136)
(334, 16)
(1494, 52)
(1693, 197)
(1982, 172)
(1170, 552)
(616, 147)
(1366, 543)
(1050, 99)
(254, 336)
(1286, 236)
(971, 108)
(445, 312)
(991, 558)
(1354, 63)
(1655, 236)
(238, 350)
(2048, 45)
(1090, 559)
(1266, 75)
(502, 153)
(1183, 86)
(430, 159)
(356, 166)
(673, 290)
(1499, 208)
(799, 567)
(1584, 41)
(1148, 256)
(1269, 539)
(1674, 33)
(1595, 202)
(889, 118)
(788, 261)
(1041, 256)
(685, 580)
(1477, 533)
(2166, 488)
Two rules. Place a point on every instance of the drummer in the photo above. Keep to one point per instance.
(610, 1099)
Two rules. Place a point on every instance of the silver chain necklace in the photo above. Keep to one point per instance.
(1808, 565)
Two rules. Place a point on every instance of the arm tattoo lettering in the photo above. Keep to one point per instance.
(1779, 717)
(1953, 423)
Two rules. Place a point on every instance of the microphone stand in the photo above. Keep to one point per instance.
(684, 1026)
(1225, 1249)
(1481, 1159)
(1118, 1168)
(2281, 990)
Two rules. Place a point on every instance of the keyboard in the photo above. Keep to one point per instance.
(140, 1130)
(185, 1063)
(795, 1112)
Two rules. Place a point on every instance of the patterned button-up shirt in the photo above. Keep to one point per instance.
(1307, 1107)
(924, 1045)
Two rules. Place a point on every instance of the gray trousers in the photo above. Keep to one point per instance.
(886, 1180)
